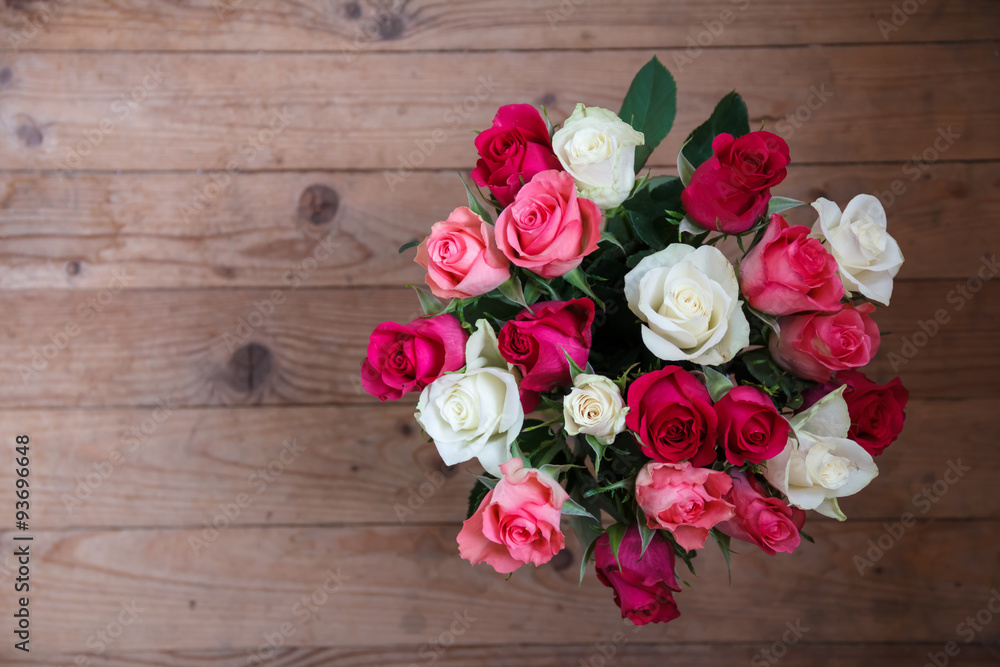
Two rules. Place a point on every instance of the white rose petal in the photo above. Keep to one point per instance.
(820, 463)
(594, 407)
(475, 414)
(597, 148)
(868, 257)
(689, 301)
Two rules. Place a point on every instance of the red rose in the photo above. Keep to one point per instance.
(730, 190)
(512, 151)
(788, 272)
(767, 522)
(815, 345)
(536, 339)
(877, 410)
(408, 357)
(672, 413)
(644, 587)
(750, 428)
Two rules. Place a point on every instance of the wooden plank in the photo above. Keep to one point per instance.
(74, 233)
(626, 652)
(298, 346)
(405, 585)
(148, 111)
(133, 468)
(481, 25)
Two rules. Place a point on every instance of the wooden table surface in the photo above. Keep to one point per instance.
(200, 207)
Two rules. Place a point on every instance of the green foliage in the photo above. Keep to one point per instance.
(648, 209)
(650, 106)
(476, 495)
(730, 116)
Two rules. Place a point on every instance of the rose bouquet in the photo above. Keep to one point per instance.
(654, 361)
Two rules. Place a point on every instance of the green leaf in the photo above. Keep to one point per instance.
(779, 204)
(616, 534)
(514, 292)
(610, 238)
(490, 482)
(599, 449)
(475, 205)
(406, 246)
(806, 536)
(620, 484)
(428, 302)
(769, 320)
(574, 369)
(645, 532)
(578, 279)
(718, 384)
(650, 106)
(588, 540)
(685, 170)
(647, 211)
(723, 541)
(573, 508)
(476, 496)
(730, 116)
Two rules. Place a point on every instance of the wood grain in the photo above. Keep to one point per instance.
(182, 467)
(398, 111)
(75, 232)
(404, 585)
(367, 25)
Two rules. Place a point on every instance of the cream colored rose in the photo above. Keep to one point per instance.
(597, 148)
(594, 407)
(820, 464)
(857, 238)
(689, 301)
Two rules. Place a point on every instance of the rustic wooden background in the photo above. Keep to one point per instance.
(181, 342)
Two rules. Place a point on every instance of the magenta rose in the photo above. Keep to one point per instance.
(408, 357)
(644, 587)
(517, 522)
(461, 257)
(788, 272)
(685, 500)
(813, 346)
(538, 340)
(750, 428)
(671, 411)
(511, 152)
(765, 521)
(877, 410)
(548, 229)
(730, 191)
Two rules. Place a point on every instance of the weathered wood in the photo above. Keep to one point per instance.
(75, 232)
(352, 27)
(404, 585)
(181, 467)
(401, 111)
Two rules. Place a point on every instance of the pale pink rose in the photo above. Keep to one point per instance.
(548, 229)
(461, 257)
(517, 522)
(685, 500)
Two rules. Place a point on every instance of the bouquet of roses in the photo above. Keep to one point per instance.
(660, 360)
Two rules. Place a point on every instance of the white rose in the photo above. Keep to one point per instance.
(819, 463)
(689, 300)
(597, 148)
(594, 407)
(868, 257)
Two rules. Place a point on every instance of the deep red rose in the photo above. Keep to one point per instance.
(750, 428)
(535, 341)
(815, 345)
(877, 410)
(765, 521)
(644, 588)
(511, 152)
(672, 413)
(408, 357)
(787, 272)
(730, 191)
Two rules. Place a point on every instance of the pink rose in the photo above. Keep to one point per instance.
(536, 339)
(461, 257)
(788, 272)
(512, 151)
(685, 500)
(408, 357)
(815, 345)
(767, 522)
(517, 522)
(548, 230)
(644, 587)
(750, 428)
